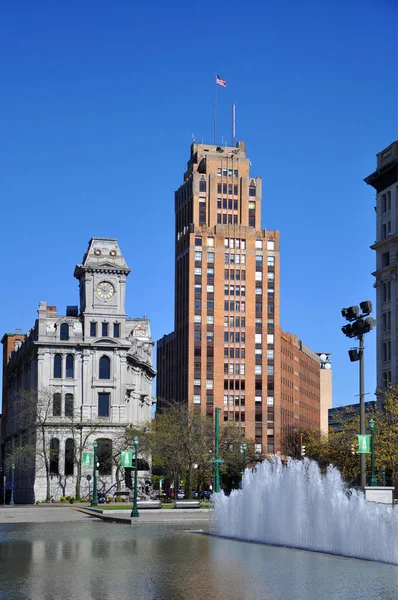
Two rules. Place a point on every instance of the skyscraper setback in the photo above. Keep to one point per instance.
(225, 350)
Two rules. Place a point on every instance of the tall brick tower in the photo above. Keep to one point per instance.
(227, 336)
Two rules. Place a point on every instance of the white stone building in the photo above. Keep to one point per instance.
(385, 181)
(92, 369)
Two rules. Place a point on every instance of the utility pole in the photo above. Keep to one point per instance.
(362, 426)
(94, 501)
(217, 461)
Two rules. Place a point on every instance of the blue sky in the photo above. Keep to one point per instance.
(98, 104)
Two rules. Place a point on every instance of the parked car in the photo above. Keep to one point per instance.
(205, 494)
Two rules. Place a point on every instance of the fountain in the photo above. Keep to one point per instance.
(296, 506)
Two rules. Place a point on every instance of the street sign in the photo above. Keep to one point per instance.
(87, 459)
(363, 444)
(126, 459)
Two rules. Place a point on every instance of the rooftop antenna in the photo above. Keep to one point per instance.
(233, 125)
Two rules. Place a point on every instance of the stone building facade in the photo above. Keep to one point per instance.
(92, 372)
(385, 182)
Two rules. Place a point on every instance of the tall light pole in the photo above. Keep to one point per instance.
(94, 501)
(244, 450)
(360, 323)
(12, 485)
(373, 480)
(217, 461)
(134, 512)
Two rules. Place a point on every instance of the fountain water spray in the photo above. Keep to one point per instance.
(296, 506)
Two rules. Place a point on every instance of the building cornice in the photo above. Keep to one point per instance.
(384, 177)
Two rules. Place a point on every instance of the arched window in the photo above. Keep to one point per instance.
(69, 456)
(54, 456)
(69, 366)
(105, 367)
(56, 405)
(68, 405)
(104, 456)
(64, 331)
(58, 366)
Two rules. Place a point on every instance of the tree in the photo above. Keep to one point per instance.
(386, 435)
(32, 410)
(81, 432)
(126, 442)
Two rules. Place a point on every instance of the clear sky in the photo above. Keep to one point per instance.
(98, 104)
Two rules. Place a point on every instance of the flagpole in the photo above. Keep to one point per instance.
(215, 106)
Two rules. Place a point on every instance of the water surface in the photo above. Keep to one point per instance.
(93, 560)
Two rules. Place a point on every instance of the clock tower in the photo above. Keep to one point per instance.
(102, 279)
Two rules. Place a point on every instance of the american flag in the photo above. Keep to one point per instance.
(220, 81)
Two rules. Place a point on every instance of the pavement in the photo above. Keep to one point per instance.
(58, 514)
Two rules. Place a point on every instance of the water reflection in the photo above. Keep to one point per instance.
(93, 560)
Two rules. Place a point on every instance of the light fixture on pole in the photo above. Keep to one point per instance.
(134, 512)
(373, 480)
(12, 485)
(94, 501)
(359, 324)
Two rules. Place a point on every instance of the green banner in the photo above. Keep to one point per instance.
(87, 459)
(126, 458)
(363, 444)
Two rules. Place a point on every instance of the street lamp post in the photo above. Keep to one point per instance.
(12, 485)
(359, 324)
(373, 480)
(134, 512)
(244, 450)
(94, 501)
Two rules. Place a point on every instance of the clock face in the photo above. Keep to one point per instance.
(105, 290)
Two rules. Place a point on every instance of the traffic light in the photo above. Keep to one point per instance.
(366, 307)
(351, 313)
(354, 354)
(302, 451)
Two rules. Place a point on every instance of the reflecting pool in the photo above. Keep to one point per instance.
(94, 560)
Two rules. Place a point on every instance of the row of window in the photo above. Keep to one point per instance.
(104, 370)
(236, 243)
(228, 188)
(234, 290)
(64, 330)
(386, 351)
(234, 352)
(104, 456)
(238, 275)
(234, 259)
(227, 172)
(227, 219)
(103, 404)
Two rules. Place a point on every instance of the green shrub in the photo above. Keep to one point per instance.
(62, 499)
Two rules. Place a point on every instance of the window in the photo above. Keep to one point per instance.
(64, 331)
(197, 318)
(56, 405)
(271, 276)
(386, 291)
(386, 317)
(210, 272)
(209, 384)
(210, 305)
(385, 259)
(270, 245)
(210, 242)
(197, 303)
(252, 191)
(116, 330)
(210, 320)
(259, 244)
(386, 351)
(196, 398)
(270, 338)
(259, 275)
(105, 329)
(104, 367)
(103, 404)
(271, 261)
(258, 369)
(69, 457)
(197, 335)
(270, 370)
(198, 256)
(258, 353)
(68, 405)
(198, 288)
(202, 186)
(54, 456)
(198, 241)
(104, 456)
(57, 366)
(210, 288)
(270, 401)
(196, 382)
(258, 338)
(270, 355)
(69, 366)
(93, 329)
(259, 260)
(210, 257)
(198, 271)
